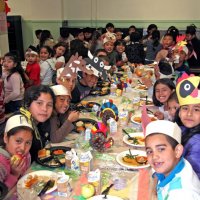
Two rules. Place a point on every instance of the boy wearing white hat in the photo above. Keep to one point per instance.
(176, 178)
(14, 151)
(61, 119)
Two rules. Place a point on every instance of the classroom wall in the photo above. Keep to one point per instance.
(49, 14)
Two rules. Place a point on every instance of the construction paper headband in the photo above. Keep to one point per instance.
(109, 37)
(187, 89)
(29, 51)
(181, 44)
(75, 64)
(96, 66)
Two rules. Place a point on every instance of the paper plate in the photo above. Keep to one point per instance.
(137, 118)
(43, 173)
(120, 156)
(130, 142)
(101, 197)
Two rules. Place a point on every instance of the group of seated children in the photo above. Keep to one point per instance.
(44, 115)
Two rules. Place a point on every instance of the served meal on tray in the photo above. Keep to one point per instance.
(100, 91)
(86, 106)
(82, 124)
(103, 84)
(52, 157)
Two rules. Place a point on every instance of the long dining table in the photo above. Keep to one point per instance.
(138, 183)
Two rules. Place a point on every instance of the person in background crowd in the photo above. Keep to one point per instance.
(32, 67)
(131, 29)
(46, 65)
(194, 59)
(153, 46)
(14, 80)
(46, 39)
(135, 51)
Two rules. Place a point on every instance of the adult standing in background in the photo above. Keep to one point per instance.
(194, 57)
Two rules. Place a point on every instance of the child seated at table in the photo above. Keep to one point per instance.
(61, 119)
(91, 72)
(14, 151)
(176, 178)
(161, 91)
(188, 117)
(173, 105)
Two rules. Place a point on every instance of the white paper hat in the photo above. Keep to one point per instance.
(17, 121)
(60, 90)
(165, 127)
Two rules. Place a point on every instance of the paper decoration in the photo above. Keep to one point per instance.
(187, 89)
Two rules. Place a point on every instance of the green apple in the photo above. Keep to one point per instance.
(87, 190)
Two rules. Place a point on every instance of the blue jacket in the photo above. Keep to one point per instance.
(192, 150)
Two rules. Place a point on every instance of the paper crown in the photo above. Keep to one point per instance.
(187, 89)
(165, 127)
(181, 44)
(17, 121)
(96, 66)
(60, 90)
(109, 37)
(75, 64)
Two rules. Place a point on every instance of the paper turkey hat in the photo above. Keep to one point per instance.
(96, 66)
(187, 89)
(181, 44)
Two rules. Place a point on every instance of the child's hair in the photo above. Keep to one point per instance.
(49, 50)
(132, 26)
(135, 37)
(170, 35)
(150, 27)
(171, 140)
(95, 37)
(34, 92)
(77, 32)
(38, 31)
(60, 44)
(120, 42)
(155, 38)
(191, 29)
(165, 81)
(100, 50)
(110, 25)
(105, 58)
(173, 31)
(64, 32)
(44, 36)
(18, 67)
(173, 97)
